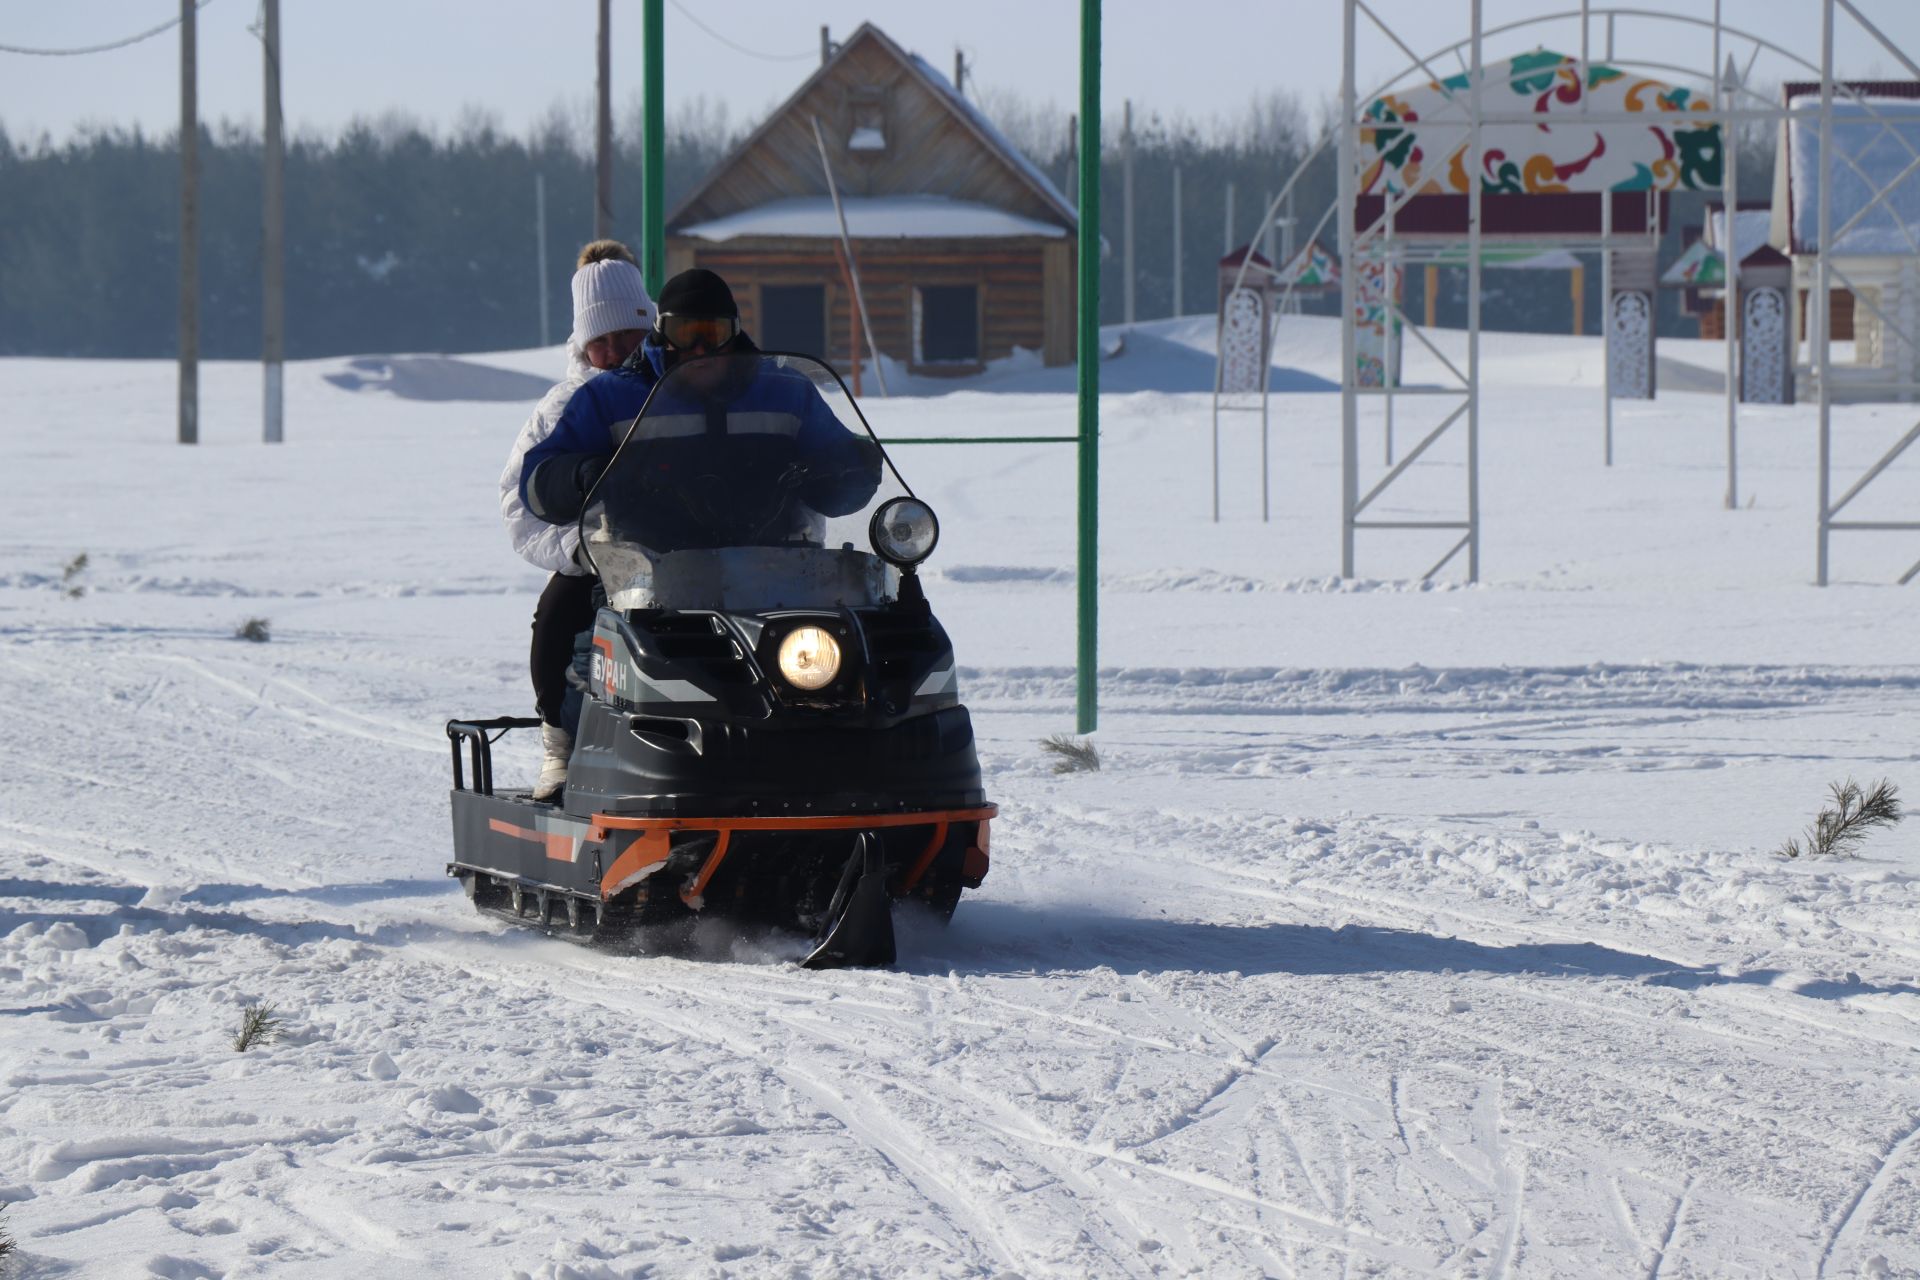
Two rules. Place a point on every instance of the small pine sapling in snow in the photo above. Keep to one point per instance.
(6, 1241)
(258, 630)
(1845, 824)
(257, 1026)
(1071, 754)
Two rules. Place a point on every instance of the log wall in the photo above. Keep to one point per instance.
(1713, 321)
(1025, 287)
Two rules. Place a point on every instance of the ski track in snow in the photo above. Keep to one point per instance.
(926, 1078)
(1884, 1168)
(1345, 964)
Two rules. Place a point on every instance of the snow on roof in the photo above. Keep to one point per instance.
(875, 218)
(1750, 230)
(1514, 257)
(1875, 140)
(1027, 172)
(1550, 260)
(1701, 264)
(991, 132)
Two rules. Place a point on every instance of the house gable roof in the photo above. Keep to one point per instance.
(1876, 195)
(1245, 251)
(938, 144)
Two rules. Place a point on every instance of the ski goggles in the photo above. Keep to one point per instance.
(684, 333)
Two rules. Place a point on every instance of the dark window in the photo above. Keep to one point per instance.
(868, 111)
(947, 317)
(793, 317)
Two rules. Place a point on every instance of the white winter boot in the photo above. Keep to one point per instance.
(558, 744)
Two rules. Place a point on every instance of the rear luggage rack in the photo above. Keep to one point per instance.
(480, 747)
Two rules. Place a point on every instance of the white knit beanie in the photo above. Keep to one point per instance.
(609, 296)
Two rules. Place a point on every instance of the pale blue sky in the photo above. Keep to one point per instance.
(430, 58)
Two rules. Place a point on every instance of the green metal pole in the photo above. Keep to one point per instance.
(1088, 360)
(653, 236)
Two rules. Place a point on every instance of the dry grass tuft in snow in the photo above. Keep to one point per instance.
(258, 630)
(1071, 754)
(1843, 825)
(74, 568)
(257, 1026)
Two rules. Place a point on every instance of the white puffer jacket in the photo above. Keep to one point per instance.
(548, 546)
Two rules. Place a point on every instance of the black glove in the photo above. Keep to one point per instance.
(557, 489)
(842, 483)
(591, 467)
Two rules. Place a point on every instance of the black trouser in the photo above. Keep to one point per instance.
(566, 609)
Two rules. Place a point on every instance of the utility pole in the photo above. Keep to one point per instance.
(851, 263)
(273, 254)
(189, 232)
(1230, 245)
(653, 146)
(960, 72)
(1087, 360)
(603, 133)
(1288, 249)
(1732, 296)
(1126, 196)
(1179, 303)
(540, 250)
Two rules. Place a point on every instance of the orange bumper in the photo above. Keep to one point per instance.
(653, 844)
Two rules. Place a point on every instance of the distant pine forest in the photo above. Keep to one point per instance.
(406, 237)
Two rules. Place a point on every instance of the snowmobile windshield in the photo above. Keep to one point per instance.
(747, 481)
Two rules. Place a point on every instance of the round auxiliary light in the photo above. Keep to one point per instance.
(809, 658)
(904, 531)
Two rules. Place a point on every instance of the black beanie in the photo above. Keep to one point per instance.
(697, 292)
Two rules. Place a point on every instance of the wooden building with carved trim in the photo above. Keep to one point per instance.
(965, 249)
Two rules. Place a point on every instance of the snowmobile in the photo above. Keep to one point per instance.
(770, 728)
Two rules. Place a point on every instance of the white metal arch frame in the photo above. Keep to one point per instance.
(1354, 242)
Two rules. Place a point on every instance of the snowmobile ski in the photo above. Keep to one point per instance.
(858, 932)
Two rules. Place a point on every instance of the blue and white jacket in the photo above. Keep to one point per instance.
(776, 403)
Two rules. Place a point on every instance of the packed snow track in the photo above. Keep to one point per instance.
(1402, 933)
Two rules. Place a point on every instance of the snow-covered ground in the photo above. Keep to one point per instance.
(1407, 931)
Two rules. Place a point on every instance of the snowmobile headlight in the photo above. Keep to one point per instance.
(904, 531)
(809, 658)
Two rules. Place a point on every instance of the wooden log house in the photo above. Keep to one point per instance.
(965, 249)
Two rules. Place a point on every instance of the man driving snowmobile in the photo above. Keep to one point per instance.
(835, 470)
(744, 430)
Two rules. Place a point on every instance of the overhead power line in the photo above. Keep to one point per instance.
(102, 48)
(740, 48)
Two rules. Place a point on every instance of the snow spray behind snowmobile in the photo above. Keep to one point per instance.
(772, 730)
